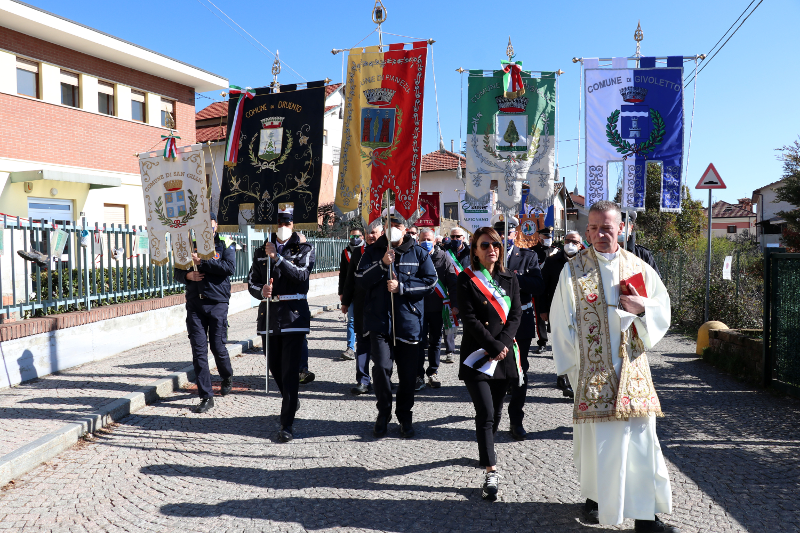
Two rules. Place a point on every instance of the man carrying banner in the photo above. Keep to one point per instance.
(396, 278)
(609, 308)
(457, 250)
(523, 263)
(353, 301)
(356, 244)
(208, 291)
(285, 290)
(441, 311)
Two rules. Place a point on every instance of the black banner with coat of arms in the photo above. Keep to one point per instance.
(279, 159)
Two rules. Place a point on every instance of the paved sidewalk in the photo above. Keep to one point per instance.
(37, 408)
(732, 454)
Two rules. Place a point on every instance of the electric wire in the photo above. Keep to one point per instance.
(723, 35)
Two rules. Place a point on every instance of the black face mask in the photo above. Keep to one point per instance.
(356, 241)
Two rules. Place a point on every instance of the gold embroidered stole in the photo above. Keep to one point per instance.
(600, 396)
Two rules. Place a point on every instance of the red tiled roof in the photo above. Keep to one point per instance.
(329, 107)
(577, 199)
(736, 211)
(442, 161)
(329, 89)
(213, 133)
(215, 110)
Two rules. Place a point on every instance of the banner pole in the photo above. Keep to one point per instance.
(388, 232)
(266, 329)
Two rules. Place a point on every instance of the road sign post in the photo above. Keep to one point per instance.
(710, 180)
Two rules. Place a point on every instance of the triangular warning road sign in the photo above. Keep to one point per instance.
(711, 179)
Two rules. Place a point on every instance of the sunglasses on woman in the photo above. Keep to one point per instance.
(485, 245)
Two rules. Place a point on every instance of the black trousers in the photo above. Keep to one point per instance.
(432, 327)
(285, 354)
(541, 328)
(205, 324)
(363, 350)
(383, 354)
(487, 397)
(518, 393)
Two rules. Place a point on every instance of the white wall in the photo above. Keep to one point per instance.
(88, 89)
(50, 83)
(122, 103)
(8, 72)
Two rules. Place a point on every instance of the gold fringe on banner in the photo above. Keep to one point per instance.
(227, 229)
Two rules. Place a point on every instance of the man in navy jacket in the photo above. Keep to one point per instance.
(208, 291)
(403, 272)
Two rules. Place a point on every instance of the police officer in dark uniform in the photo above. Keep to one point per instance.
(208, 291)
(286, 290)
(544, 249)
(531, 285)
(395, 266)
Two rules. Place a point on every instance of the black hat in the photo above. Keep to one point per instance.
(547, 230)
(213, 216)
(285, 214)
(499, 223)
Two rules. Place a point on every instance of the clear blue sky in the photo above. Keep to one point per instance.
(747, 97)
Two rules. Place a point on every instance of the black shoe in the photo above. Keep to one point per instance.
(225, 388)
(285, 434)
(536, 349)
(381, 427)
(306, 377)
(361, 389)
(34, 257)
(205, 405)
(653, 526)
(561, 383)
(568, 392)
(491, 486)
(591, 512)
(407, 430)
(518, 432)
(420, 384)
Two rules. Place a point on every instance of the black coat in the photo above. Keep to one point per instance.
(483, 327)
(215, 286)
(290, 274)
(643, 253)
(551, 272)
(525, 265)
(446, 274)
(417, 278)
(347, 258)
(352, 293)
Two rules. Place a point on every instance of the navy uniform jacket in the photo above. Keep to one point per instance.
(525, 264)
(353, 294)
(290, 274)
(215, 287)
(417, 277)
(551, 272)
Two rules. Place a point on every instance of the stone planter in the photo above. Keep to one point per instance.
(737, 352)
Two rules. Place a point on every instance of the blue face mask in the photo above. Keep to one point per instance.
(426, 245)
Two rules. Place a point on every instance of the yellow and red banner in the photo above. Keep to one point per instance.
(382, 131)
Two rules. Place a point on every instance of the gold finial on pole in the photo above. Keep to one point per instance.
(510, 49)
(638, 36)
(379, 13)
(460, 70)
(276, 69)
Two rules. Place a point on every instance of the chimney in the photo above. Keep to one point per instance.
(746, 204)
(452, 145)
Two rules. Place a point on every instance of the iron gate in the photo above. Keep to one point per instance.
(782, 320)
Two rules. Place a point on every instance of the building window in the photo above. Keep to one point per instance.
(137, 106)
(731, 229)
(168, 113)
(27, 78)
(450, 211)
(105, 97)
(70, 94)
(115, 214)
(325, 137)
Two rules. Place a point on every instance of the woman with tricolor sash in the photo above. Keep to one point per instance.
(490, 311)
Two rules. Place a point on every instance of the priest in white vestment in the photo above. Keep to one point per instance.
(600, 337)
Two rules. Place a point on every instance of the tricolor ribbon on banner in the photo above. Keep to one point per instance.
(512, 80)
(232, 150)
(171, 147)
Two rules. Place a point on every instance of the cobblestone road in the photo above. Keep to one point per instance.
(732, 453)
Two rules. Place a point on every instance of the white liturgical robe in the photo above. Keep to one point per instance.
(619, 464)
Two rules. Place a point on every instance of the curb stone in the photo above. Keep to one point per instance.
(27, 457)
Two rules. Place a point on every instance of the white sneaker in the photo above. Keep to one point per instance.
(491, 485)
(433, 381)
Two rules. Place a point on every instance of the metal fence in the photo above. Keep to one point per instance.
(87, 275)
(782, 321)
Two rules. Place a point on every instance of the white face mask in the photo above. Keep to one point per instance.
(571, 248)
(284, 233)
(547, 242)
(395, 235)
(621, 237)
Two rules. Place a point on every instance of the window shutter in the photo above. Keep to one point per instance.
(27, 64)
(70, 78)
(137, 96)
(103, 87)
(114, 214)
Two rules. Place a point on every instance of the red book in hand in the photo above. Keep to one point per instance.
(637, 282)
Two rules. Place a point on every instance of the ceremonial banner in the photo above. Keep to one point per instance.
(175, 199)
(511, 137)
(279, 160)
(471, 216)
(527, 235)
(429, 201)
(635, 116)
(382, 130)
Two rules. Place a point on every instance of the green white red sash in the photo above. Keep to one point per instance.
(232, 150)
(455, 262)
(449, 320)
(500, 301)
